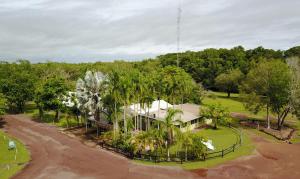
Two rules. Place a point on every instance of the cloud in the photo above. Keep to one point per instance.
(79, 30)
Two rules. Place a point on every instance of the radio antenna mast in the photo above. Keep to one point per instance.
(178, 30)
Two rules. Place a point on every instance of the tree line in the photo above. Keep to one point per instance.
(266, 78)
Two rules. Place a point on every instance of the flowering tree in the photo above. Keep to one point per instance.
(72, 106)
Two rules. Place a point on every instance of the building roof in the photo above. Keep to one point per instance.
(154, 107)
(190, 111)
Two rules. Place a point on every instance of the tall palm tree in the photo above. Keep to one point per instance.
(138, 85)
(186, 140)
(114, 91)
(125, 91)
(168, 125)
(147, 103)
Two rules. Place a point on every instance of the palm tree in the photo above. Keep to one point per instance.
(168, 125)
(89, 91)
(138, 85)
(114, 91)
(125, 91)
(147, 102)
(186, 140)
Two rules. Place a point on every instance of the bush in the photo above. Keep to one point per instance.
(123, 144)
(1, 113)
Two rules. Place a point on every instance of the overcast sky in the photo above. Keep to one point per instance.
(104, 30)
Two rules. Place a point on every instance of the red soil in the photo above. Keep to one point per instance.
(271, 160)
(55, 155)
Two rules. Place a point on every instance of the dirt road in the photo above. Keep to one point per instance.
(271, 160)
(55, 155)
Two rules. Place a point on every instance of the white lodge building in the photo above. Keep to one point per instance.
(158, 111)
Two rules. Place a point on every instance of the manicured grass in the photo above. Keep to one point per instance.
(233, 104)
(7, 157)
(222, 138)
(246, 149)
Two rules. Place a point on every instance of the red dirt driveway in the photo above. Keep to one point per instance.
(271, 160)
(55, 155)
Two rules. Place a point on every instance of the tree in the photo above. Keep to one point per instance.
(292, 52)
(17, 89)
(269, 83)
(229, 81)
(294, 64)
(168, 125)
(113, 97)
(89, 92)
(49, 96)
(1, 113)
(175, 83)
(126, 93)
(186, 141)
(216, 112)
(71, 107)
(138, 95)
(197, 146)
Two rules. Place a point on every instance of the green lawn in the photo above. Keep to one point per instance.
(7, 157)
(233, 104)
(222, 138)
(246, 149)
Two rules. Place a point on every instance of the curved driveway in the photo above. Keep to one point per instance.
(55, 155)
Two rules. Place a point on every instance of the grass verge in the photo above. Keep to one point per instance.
(7, 157)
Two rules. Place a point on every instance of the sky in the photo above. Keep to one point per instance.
(106, 30)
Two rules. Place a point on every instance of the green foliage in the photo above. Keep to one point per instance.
(229, 81)
(176, 83)
(269, 82)
(216, 112)
(123, 142)
(1, 112)
(8, 156)
(292, 52)
(294, 64)
(49, 96)
(204, 66)
(168, 124)
(17, 85)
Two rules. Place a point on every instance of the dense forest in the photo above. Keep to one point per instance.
(213, 69)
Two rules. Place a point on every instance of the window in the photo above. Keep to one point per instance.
(194, 121)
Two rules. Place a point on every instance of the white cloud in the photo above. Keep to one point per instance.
(135, 29)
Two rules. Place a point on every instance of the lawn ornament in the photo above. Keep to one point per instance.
(11, 145)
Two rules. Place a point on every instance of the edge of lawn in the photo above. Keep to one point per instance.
(23, 150)
(245, 149)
